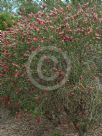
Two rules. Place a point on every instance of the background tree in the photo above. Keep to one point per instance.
(8, 5)
(28, 6)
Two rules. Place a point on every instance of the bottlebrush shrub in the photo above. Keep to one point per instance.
(75, 30)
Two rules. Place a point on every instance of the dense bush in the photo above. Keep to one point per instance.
(7, 20)
(77, 31)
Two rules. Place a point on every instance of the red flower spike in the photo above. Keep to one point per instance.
(17, 74)
(1, 75)
(67, 39)
(38, 120)
(35, 39)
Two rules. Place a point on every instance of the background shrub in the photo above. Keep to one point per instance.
(7, 20)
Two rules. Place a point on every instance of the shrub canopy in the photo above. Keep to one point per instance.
(78, 31)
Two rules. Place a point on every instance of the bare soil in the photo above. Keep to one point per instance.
(25, 125)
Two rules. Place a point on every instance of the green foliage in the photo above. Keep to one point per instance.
(27, 7)
(56, 134)
(7, 20)
(53, 3)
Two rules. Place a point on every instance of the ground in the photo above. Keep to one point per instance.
(24, 125)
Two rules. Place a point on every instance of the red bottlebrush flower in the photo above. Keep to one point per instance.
(41, 22)
(85, 5)
(74, 16)
(1, 75)
(90, 30)
(35, 39)
(5, 52)
(69, 7)
(36, 29)
(42, 40)
(67, 39)
(61, 10)
(81, 77)
(33, 49)
(80, 30)
(17, 116)
(95, 15)
(5, 67)
(61, 73)
(94, 77)
(6, 100)
(52, 14)
(38, 120)
(17, 74)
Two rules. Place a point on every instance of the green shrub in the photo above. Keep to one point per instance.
(7, 20)
(56, 134)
